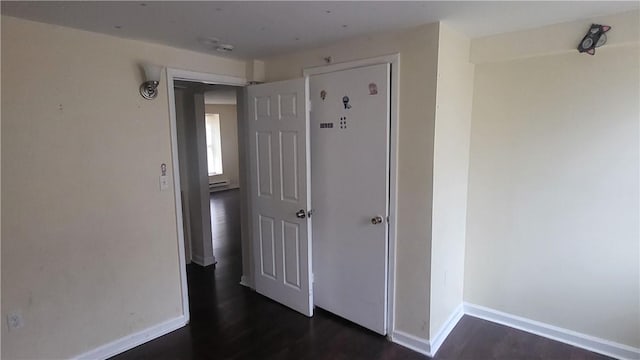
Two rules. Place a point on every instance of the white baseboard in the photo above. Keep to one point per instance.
(244, 281)
(129, 342)
(567, 336)
(223, 188)
(203, 261)
(412, 342)
(441, 335)
(429, 347)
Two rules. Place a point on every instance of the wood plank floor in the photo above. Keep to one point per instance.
(229, 321)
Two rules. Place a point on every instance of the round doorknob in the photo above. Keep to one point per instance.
(301, 214)
(376, 220)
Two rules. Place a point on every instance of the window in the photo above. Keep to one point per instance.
(214, 149)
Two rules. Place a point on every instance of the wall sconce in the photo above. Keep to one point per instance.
(149, 88)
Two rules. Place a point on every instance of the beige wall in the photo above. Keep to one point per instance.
(450, 174)
(552, 212)
(552, 232)
(229, 143)
(418, 49)
(89, 251)
(554, 39)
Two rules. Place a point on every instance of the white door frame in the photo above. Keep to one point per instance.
(200, 77)
(394, 60)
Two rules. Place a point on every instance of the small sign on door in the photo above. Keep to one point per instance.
(373, 89)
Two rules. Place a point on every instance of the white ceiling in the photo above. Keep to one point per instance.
(260, 29)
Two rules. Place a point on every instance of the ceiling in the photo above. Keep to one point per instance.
(261, 29)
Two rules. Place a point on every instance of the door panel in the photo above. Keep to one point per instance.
(265, 175)
(291, 239)
(279, 159)
(289, 174)
(267, 247)
(350, 178)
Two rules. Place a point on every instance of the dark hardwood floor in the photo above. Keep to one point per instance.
(229, 321)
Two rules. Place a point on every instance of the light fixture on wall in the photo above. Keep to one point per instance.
(149, 88)
(595, 37)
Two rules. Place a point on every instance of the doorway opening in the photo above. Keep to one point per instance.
(223, 170)
(206, 159)
(207, 139)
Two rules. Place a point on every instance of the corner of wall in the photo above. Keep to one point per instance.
(524, 175)
(450, 179)
(255, 70)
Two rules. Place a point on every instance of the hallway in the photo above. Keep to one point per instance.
(230, 321)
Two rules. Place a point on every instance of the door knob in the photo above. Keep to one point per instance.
(376, 220)
(301, 214)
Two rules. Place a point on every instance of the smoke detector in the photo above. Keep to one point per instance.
(224, 48)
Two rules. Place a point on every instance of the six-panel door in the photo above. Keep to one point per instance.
(279, 162)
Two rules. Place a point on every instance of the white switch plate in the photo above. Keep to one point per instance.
(14, 321)
(164, 182)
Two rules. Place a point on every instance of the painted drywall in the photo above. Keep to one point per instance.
(553, 209)
(450, 174)
(89, 251)
(418, 48)
(245, 200)
(560, 38)
(255, 71)
(228, 142)
(183, 160)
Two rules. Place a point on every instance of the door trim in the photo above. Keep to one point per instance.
(173, 74)
(394, 60)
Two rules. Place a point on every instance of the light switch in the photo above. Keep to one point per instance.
(164, 182)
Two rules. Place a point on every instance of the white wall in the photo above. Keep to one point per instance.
(418, 49)
(553, 211)
(89, 251)
(450, 174)
(243, 178)
(228, 142)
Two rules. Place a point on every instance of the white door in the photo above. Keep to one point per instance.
(350, 193)
(279, 159)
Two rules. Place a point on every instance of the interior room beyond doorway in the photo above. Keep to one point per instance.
(207, 142)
